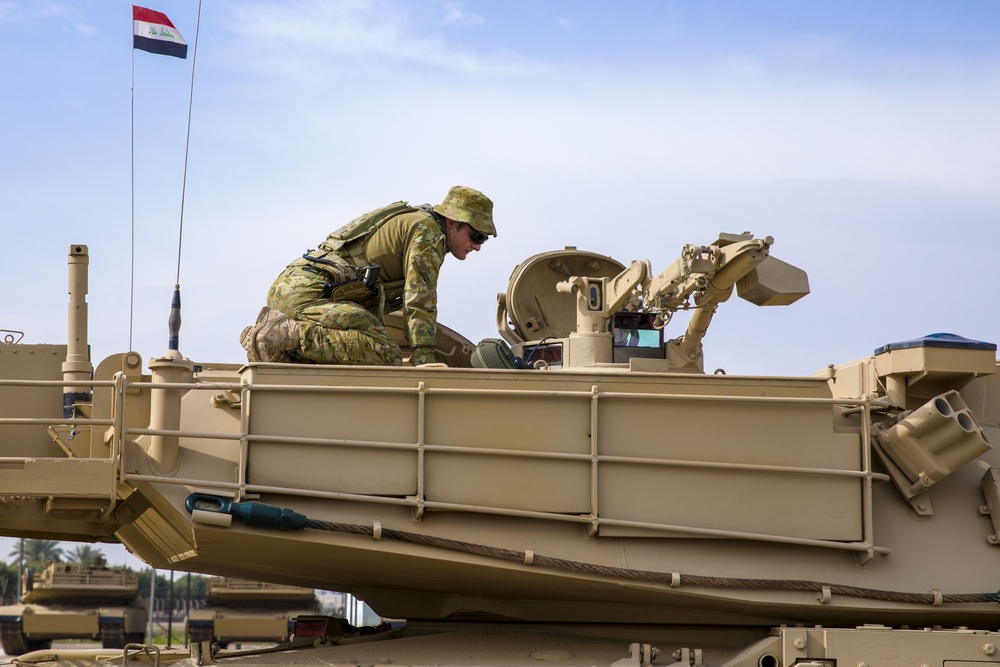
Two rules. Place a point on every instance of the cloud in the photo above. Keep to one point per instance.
(936, 133)
(11, 11)
(17, 11)
(456, 15)
(295, 37)
(737, 118)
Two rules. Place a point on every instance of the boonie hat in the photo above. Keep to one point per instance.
(469, 206)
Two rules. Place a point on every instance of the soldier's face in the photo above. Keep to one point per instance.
(460, 240)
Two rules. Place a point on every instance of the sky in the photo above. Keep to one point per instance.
(863, 137)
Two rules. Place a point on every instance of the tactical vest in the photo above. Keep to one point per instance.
(349, 240)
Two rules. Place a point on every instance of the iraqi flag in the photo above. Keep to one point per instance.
(153, 32)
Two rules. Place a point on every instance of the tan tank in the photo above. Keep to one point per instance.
(72, 601)
(610, 488)
(238, 610)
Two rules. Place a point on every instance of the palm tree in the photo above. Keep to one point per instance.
(85, 555)
(38, 553)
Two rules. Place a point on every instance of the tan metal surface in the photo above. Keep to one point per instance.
(644, 492)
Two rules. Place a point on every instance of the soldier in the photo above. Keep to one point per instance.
(327, 306)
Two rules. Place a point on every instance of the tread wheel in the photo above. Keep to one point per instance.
(13, 640)
(201, 633)
(15, 643)
(112, 635)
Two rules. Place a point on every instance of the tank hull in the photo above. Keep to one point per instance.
(243, 610)
(25, 628)
(677, 542)
(226, 625)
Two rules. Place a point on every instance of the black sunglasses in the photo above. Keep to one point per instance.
(477, 236)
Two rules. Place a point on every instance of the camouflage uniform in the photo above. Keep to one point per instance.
(320, 310)
(409, 248)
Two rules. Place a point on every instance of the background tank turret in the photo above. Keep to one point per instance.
(74, 601)
(242, 610)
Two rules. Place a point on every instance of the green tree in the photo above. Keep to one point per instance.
(180, 585)
(37, 553)
(85, 555)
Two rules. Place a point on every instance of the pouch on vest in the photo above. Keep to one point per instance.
(494, 353)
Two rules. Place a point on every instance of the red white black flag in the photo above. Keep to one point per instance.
(152, 31)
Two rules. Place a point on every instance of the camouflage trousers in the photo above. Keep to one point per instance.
(331, 332)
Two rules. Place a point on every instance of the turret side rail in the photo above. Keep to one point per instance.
(430, 456)
(597, 474)
(38, 474)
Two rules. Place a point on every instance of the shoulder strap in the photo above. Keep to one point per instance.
(351, 237)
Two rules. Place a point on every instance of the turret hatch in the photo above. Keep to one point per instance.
(532, 309)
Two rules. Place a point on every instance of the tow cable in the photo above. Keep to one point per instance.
(262, 515)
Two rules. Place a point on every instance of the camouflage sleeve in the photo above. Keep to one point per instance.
(424, 257)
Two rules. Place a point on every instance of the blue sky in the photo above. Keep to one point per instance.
(864, 137)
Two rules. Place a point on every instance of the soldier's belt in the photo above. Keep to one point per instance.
(364, 289)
